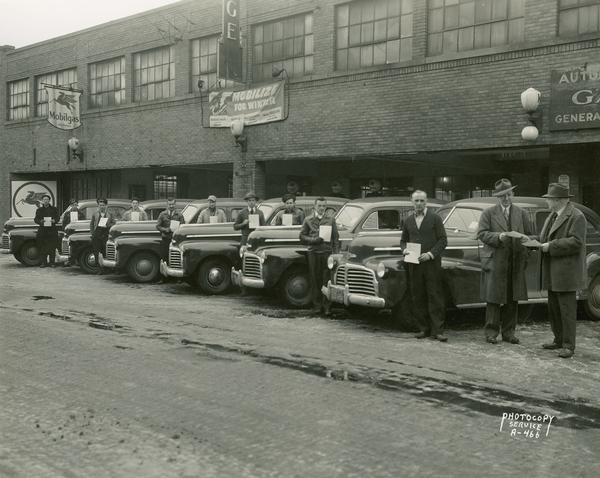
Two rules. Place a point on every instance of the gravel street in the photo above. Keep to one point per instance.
(101, 377)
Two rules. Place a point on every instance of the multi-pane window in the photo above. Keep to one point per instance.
(66, 78)
(107, 83)
(286, 43)
(373, 32)
(577, 17)
(460, 25)
(204, 61)
(165, 186)
(18, 99)
(154, 74)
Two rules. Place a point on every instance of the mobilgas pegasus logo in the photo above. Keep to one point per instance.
(27, 196)
(63, 107)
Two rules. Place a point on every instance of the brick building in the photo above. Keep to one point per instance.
(412, 93)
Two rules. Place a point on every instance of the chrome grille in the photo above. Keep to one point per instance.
(340, 275)
(252, 267)
(5, 241)
(111, 251)
(64, 247)
(175, 259)
(360, 280)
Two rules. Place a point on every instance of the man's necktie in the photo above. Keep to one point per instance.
(506, 214)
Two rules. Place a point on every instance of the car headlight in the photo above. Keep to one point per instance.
(381, 270)
(262, 255)
(242, 250)
(330, 262)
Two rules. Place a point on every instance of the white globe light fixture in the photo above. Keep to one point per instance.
(237, 127)
(530, 99)
(530, 133)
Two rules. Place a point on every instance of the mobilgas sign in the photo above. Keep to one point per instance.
(63, 107)
(575, 100)
(262, 104)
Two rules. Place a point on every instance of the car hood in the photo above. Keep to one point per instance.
(142, 228)
(77, 226)
(283, 236)
(199, 232)
(18, 222)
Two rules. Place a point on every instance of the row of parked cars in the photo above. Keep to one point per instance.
(367, 272)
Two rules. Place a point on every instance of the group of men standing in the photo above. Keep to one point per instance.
(507, 234)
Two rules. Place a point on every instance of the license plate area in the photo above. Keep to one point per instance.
(336, 294)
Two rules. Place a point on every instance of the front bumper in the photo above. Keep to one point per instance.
(342, 295)
(169, 271)
(106, 263)
(238, 279)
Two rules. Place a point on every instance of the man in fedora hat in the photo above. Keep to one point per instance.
(563, 266)
(502, 229)
(46, 217)
(242, 222)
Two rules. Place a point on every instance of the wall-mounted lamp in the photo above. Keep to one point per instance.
(75, 149)
(237, 130)
(530, 100)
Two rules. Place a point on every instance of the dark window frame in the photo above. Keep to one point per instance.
(100, 83)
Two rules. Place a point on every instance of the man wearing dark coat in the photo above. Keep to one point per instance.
(101, 222)
(74, 210)
(424, 227)
(563, 266)
(46, 217)
(242, 221)
(502, 229)
(165, 225)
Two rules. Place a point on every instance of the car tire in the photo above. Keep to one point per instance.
(30, 254)
(403, 316)
(143, 267)
(214, 276)
(591, 306)
(87, 261)
(295, 287)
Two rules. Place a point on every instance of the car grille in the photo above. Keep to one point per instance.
(360, 280)
(5, 241)
(111, 251)
(64, 247)
(175, 259)
(252, 267)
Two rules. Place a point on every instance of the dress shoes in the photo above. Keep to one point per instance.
(565, 353)
(491, 340)
(511, 340)
(439, 337)
(551, 346)
(422, 335)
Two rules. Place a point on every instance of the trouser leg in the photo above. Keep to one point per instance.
(435, 297)
(314, 272)
(568, 317)
(419, 297)
(554, 317)
(164, 248)
(492, 320)
(508, 318)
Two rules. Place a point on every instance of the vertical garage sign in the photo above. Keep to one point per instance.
(230, 50)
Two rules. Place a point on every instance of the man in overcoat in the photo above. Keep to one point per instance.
(164, 226)
(424, 227)
(242, 221)
(99, 229)
(46, 217)
(503, 262)
(563, 266)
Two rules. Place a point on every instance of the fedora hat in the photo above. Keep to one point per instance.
(557, 190)
(250, 195)
(502, 186)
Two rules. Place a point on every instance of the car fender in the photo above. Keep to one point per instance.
(195, 253)
(279, 260)
(128, 246)
(394, 283)
(593, 266)
(20, 236)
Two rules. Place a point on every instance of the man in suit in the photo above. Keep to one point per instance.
(46, 217)
(242, 221)
(424, 227)
(218, 215)
(135, 213)
(502, 229)
(290, 208)
(164, 226)
(66, 219)
(563, 266)
(319, 250)
(102, 221)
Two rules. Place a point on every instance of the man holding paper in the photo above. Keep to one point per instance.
(212, 215)
(423, 241)
(320, 233)
(135, 213)
(46, 217)
(503, 229)
(72, 213)
(168, 221)
(291, 215)
(102, 221)
(249, 218)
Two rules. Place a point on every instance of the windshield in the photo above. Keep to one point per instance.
(266, 209)
(189, 212)
(348, 216)
(463, 219)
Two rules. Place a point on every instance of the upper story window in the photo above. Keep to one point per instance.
(204, 61)
(59, 78)
(107, 83)
(577, 17)
(154, 72)
(286, 43)
(373, 32)
(18, 99)
(461, 25)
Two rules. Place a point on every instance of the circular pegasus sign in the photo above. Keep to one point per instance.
(28, 197)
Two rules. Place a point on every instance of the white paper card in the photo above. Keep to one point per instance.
(213, 219)
(74, 216)
(254, 222)
(102, 222)
(414, 251)
(325, 233)
(287, 219)
(48, 222)
(174, 225)
(135, 216)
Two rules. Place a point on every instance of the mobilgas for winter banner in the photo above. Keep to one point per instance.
(263, 104)
(63, 107)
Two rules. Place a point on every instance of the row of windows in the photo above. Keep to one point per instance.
(367, 33)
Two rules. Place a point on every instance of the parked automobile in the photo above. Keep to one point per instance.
(135, 246)
(154, 207)
(372, 274)
(76, 243)
(275, 259)
(19, 234)
(204, 254)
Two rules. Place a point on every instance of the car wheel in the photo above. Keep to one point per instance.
(295, 287)
(214, 276)
(592, 303)
(143, 267)
(30, 254)
(403, 316)
(87, 261)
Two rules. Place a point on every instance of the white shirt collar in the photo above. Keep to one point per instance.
(561, 210)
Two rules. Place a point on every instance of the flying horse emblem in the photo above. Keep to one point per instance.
(68, 101)
(33, 198)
